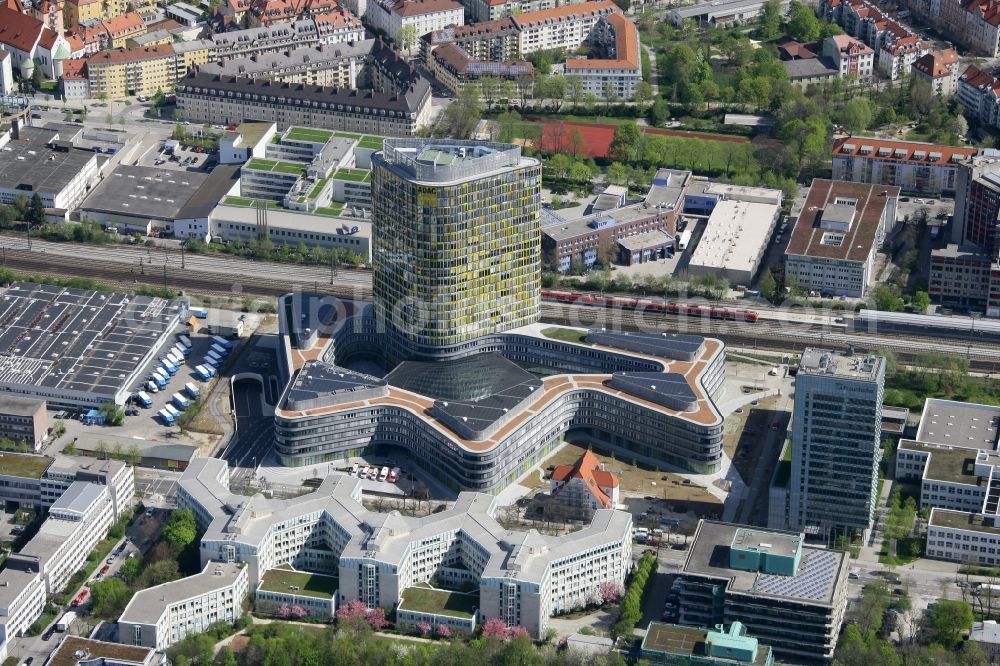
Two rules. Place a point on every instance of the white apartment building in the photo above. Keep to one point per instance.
(955, 459)
(852, 57)
(982, 27)
(22, 598)
(615, 63)
(939, 69)
(390, 16)
(160, 616)
(895, 58)
(979, 94)
(77, 521)
(837, 235)
(909, 165)
(565, 27)
(336, 27)
(523, 577)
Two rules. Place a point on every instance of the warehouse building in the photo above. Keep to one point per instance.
(734, 240)
(138, 199)
(79, 348)
(837, 235)
(34, 161)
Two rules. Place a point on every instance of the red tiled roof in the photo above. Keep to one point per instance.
(74, 68)
(945, 154)
(132, 54)
(48, 38)
(336, 18)
(626, 47)
(937, 64)
(528, 19)
(126, 24)
(19, 30)
(985, 10)
(977, 78)
(421, 7)
(587, 469)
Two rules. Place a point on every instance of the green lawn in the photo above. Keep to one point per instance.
(275, 166)
(353, 175)
(309, 134)
(290, 167)
(18, 464)
(371, 142)
(333, 211)
(439, 602)
(261, 165)
(317, 188)
(565, 334)
(310, 585)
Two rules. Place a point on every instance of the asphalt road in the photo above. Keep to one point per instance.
(254, 432)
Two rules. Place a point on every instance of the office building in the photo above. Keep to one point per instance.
(159, 616)
(80, 651)
(456, 241)
(23, 421)
(522, 577)
(103, 341)
(283, 589)
(837, 235)
(36, 482)
(911, 166)
(977, 204)
(836, 440)
(987, 635)
(35, 161)
(243, 223)
(788, 595)
(965, 277)
(674, 645)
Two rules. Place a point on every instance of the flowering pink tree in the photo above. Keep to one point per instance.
(298, 611)
(517, 632)
(444, 631)
(376, 618)
(494, 628)
(594, 598)
(285, 611)
(424, 628)
(353, 610)
(610, 591)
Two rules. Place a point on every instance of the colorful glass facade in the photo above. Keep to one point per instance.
(457, 240)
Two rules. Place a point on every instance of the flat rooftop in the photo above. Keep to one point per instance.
(735, 232)
(961, 520)
(812, 240)
(559, 228)
(77, 340)
(78, 498)
(967, 425)
(29, 164)
(145, 192)
(21, 464)
(317, 381)
(673, 639)
(73, 650)
(310, 134)
(19, 406)
(955, 465)
(716, 7)
(832, 363)
(305, 584)
(819, 572)
(450, 160)
(779, 543)
(280, 218)
(439, 602)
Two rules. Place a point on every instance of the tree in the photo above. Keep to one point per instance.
(574, 89)
(768, 286)
(180, 529)
(803, 26)
(36, 211)
(885, 297)
(921, 301)
(643, 93)
(443, 630)
(158, 573)
(490, 88)
(495, 628)
(857, 114)
(110, 596)
(610, 95)
(407, 36)
(618, 173)
(131, 569)
(659, 113)
(36, 77)
(948, 620)
(625, 143)
(770, 20)
(424, 628)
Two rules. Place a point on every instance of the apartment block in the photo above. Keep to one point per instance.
(338, 66)
(614, 65)
(851, 57)
(523, 577)
(497, 41)
(23, 421)
(159, 616)
(391, 16)
(788, 595)
(454, 67)
(926, 168)
(838, 233)
(340, 27)
(836, 443)
(565, 27)
(940, 70)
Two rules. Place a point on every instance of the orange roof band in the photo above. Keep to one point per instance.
(553, 388)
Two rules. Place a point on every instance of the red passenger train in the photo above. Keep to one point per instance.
(651, 306)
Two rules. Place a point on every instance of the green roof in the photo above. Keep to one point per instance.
(242, 201)
(961, 520)
(353, 175)
(308, 134)
(348, 135)
(334, 210)
(309, 585)
(439, 602)
(372, 142)
(19, 464)
(948, 464)
(275, 166)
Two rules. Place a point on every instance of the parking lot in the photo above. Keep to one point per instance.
(182, 158)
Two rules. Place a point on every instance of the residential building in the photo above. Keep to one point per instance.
(911, 166)
(522, 577)
(336, 66)
(580, 489)
(674, 645)
(939, 69)
(788, 595)
(987, 634)
(496, 41)
(484, 212)
(481, 11)
(836, 443)
(614, 66)
(31, 43)
(982, 27)
(453, 67)
(23, 421)
(896, 57)
(851, 57)
(721, 12)
(419, 17)
(565, 27)
(159, 616)
(327, 29)
(123, 72)
(895, 46)
(585, 239)
(7, 82)
(979, 94)
(35, 161)
(80, 12)
(75, 82)
(838, 233)
(400, 111)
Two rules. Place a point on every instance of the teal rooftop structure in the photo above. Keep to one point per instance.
(675, 645)
(766, 552)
